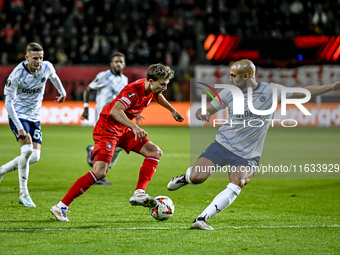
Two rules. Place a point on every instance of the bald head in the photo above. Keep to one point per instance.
(244, 66)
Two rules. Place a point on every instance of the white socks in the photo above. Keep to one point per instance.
(62, 205)
(9, 166)
(221, 201)
(23, 167)
(139, 191)
(13, 165)
(187, 175)
(35, 156)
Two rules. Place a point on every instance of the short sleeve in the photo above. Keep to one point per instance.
(98, 82)
(11, 85)
(53, 73)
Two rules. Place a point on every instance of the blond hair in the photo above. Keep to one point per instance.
(158, 71)
(33, 46)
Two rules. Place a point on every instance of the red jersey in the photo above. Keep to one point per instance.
(133, 97)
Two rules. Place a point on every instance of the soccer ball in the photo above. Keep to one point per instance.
(164, 209)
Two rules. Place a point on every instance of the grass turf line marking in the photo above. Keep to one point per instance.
(164, 228)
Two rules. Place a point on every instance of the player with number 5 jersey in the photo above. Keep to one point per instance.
(24, 91)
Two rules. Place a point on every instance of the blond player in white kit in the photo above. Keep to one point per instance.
(24, 91)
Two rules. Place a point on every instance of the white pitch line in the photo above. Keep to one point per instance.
(163, 228)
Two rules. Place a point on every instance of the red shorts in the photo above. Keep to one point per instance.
(106, 140)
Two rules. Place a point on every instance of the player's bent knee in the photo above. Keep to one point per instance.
(100, 169)
(100, 173)
(197, 179)
(27, 150)
(159, 152)
(240, 182)
(155, 151)
(35, 156)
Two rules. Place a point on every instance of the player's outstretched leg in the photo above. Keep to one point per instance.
(220, 202)
(9, 167)
(78, 188)
(1, 178)
(13, 164)
(180, 181)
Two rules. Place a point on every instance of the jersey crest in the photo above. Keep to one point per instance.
(109, 146)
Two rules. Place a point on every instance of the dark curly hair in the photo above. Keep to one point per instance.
(117, 54)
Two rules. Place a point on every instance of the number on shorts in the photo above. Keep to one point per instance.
(252, 163)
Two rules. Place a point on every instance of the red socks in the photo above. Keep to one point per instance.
(79, 187)
(146, 172)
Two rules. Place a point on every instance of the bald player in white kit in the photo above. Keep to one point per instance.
(238, 145)
(24, 90)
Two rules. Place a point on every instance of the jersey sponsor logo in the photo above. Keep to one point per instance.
(8, 83)
(246, 115)
(43, 79)
(126, 100)
(31, 91)
(131, 95)
(109, 146)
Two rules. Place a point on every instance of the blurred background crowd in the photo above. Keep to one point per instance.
(151, 31)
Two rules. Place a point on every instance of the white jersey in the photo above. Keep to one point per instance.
(27, 90)
(108, 86)
(241, 138)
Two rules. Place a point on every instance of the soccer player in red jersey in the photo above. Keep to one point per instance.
(115, 128)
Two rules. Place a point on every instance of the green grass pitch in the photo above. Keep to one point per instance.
(271, 215)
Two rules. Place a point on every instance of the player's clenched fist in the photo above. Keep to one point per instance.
(202, 117)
